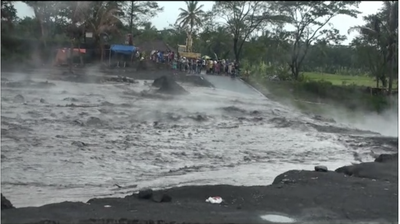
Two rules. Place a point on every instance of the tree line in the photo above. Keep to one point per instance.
(248, 31)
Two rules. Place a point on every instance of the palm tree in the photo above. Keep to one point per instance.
(191, 15)
(371, 35)
(383, 30)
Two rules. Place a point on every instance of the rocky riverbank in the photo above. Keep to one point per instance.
(365, 192)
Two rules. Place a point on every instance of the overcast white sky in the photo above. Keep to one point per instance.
(170, 14)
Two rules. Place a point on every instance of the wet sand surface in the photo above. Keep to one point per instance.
(70, 141)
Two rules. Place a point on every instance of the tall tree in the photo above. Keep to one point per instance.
(46, 13)
(311, 22)
(139, 12)
(391, 23)
(243, 18)
(8, 12)
(216, 42)
(381, 31)
(191, 16)
(102, 19)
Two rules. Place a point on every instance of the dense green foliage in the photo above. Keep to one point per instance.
(252, 32)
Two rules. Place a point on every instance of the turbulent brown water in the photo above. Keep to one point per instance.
(75, 141)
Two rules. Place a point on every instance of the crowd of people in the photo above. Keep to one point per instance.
(195, 66)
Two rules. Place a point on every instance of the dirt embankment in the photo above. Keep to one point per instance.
(362, 192)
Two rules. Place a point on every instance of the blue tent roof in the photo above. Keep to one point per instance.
(123, 49)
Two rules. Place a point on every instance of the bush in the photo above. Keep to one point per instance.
(321, 88)
(351, 96)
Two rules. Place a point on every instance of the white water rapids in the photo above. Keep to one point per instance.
(52, 152)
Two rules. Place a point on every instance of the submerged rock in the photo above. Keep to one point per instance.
(19, 99)
(233, 109)
(94, 121)
(167, 85)
(78, 144)
(198, 117)
(321, 118)
(71, 99)
(121, 79)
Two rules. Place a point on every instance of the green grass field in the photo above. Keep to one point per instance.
(341, 79)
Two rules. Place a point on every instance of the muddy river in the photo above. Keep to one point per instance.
(75, 141)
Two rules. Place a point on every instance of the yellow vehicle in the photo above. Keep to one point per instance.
(184, 53)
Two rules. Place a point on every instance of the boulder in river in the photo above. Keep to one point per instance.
(94, 121)
(167, 85)
(5, 203)
(121, 79)
(19, 99)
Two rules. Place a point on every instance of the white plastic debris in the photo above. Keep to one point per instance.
(107, 206)
(214, 200)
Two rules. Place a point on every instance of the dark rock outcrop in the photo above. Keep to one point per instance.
(168, 85)
(120, 79)
(387, 158)
(384, 168)
(155, 197)
(5, 203)
(145, 194)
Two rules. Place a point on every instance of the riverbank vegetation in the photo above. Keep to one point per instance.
(307, 62)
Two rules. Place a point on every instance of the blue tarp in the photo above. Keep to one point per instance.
(123, 49)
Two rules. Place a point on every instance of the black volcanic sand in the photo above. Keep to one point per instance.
(367, 193)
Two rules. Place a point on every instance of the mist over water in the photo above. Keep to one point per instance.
(75, 141)
(385, 123)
